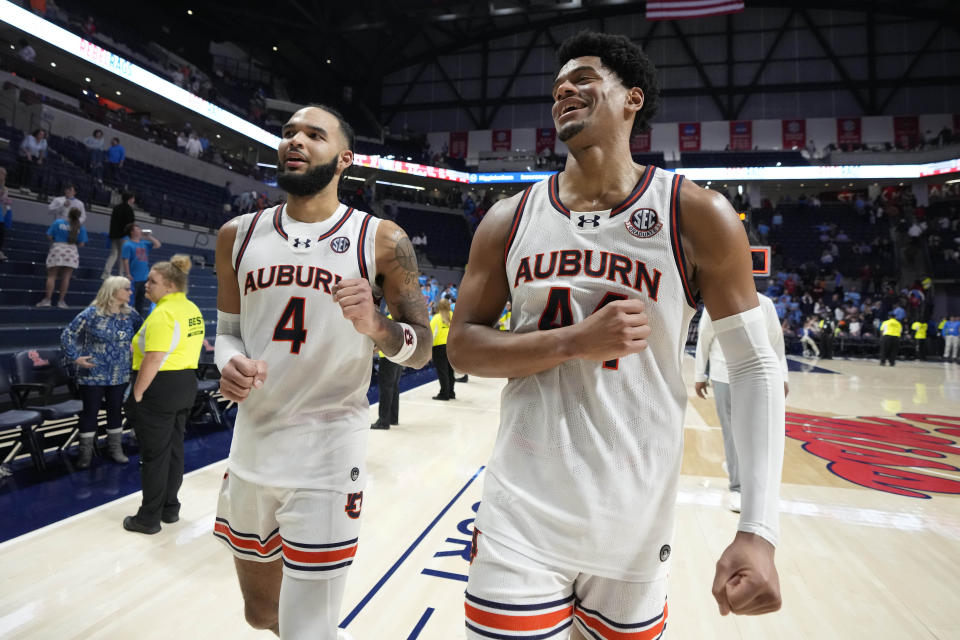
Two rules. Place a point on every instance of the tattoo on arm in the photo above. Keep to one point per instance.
(406, 259)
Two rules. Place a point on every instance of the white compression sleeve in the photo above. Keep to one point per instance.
(229, 343)
(309, 608)
(756, 389)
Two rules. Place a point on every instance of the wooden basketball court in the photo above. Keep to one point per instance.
(870, 530)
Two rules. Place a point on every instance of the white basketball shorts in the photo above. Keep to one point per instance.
(512, 596)
(313, 531)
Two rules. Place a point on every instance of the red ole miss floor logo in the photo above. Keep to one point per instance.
(894, 455)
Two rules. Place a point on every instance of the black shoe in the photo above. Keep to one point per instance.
(439, 397)
(464, 378)
(453, 396)
(394, 423)
(379, 425)
(130, 523)
(170, 519)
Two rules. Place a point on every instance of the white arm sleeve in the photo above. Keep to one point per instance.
(229, 343)
(705, 337)
(775, 331)
(756, 390)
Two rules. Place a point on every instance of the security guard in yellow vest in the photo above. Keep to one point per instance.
(166, 350)
(890, 342)
(919, 329)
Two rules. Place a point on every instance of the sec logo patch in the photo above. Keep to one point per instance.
(643, 223)
(340, 244)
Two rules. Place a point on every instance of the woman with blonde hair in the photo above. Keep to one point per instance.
(97, 341)
(440, 325)
(165, 354)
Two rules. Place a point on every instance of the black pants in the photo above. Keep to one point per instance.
(826, 344)
(444, 371)
(922, 348)
(92, 396)
(140, 302)
(159, 420)
(388, 381)
(889, 346)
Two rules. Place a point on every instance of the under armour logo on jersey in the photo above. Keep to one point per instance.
(304, 242)
(593, 222)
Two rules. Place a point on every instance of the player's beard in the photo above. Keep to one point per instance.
(310, 182)
(571, 130)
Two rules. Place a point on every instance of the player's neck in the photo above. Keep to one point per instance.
(315, 208)
(598, 177)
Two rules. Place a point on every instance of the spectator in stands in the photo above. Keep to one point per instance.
(33, 151)
(135, 257)
(94, 144)
(61, 206)
(166, 352)
(66, 235)
(26, 53)
(6, 211)
(440, 325)
(97, 341)
(116, 155)
(182, 140)
(120, 220)
(89, 26)
(193, 147)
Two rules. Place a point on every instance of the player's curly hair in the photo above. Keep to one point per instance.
(625, 58)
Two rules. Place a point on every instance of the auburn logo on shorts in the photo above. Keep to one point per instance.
(473, 545)
(354, 504)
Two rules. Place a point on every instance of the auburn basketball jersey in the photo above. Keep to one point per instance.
(306, 427)
(586, 463)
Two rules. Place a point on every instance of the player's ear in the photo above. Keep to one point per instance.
(634, 100)
(346, 159)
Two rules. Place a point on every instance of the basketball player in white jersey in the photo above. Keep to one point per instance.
(602, 264)
(296, 328)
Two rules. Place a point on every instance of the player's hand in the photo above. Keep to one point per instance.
(85, 362)
(240, 375)
(701, 389)
(746, 582)
(616, 330)
(356, 302)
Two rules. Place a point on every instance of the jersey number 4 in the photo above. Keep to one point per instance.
(290, 325)
(558, 314)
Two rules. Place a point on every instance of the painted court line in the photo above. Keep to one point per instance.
(421, 624)
(396, 565)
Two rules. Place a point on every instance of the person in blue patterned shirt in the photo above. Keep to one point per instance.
(97, 341)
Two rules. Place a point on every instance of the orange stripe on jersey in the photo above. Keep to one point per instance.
(248, 544)
(246, 240)
(318, 557)
(505, 622)
(607, 632)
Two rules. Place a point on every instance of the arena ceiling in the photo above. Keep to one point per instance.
(368, 40)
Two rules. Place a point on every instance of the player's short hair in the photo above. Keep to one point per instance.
(344, 125)
(626, 59)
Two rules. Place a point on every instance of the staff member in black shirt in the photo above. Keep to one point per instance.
(165, 354)
(121, 217)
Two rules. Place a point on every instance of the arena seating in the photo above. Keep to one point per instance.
(448, 236)
(766, 158)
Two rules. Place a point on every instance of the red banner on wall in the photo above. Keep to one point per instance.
(640, 143)
(794, 134)
(689, 136)
(848, 131)
(906, 131)
(458, 144)
(546, 139)
(741, 135)
(501, 139)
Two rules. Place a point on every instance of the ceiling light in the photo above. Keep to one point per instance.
(118, 93)
(189, 12)
(275, 48)
(329, 61)
(218, 135)
(85, 92)
(53, 64)
(87, 79)
(13, 47)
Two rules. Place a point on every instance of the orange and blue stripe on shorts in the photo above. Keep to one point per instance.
(248, 544)
(513, 621)
(598, 627)
(318, 557)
